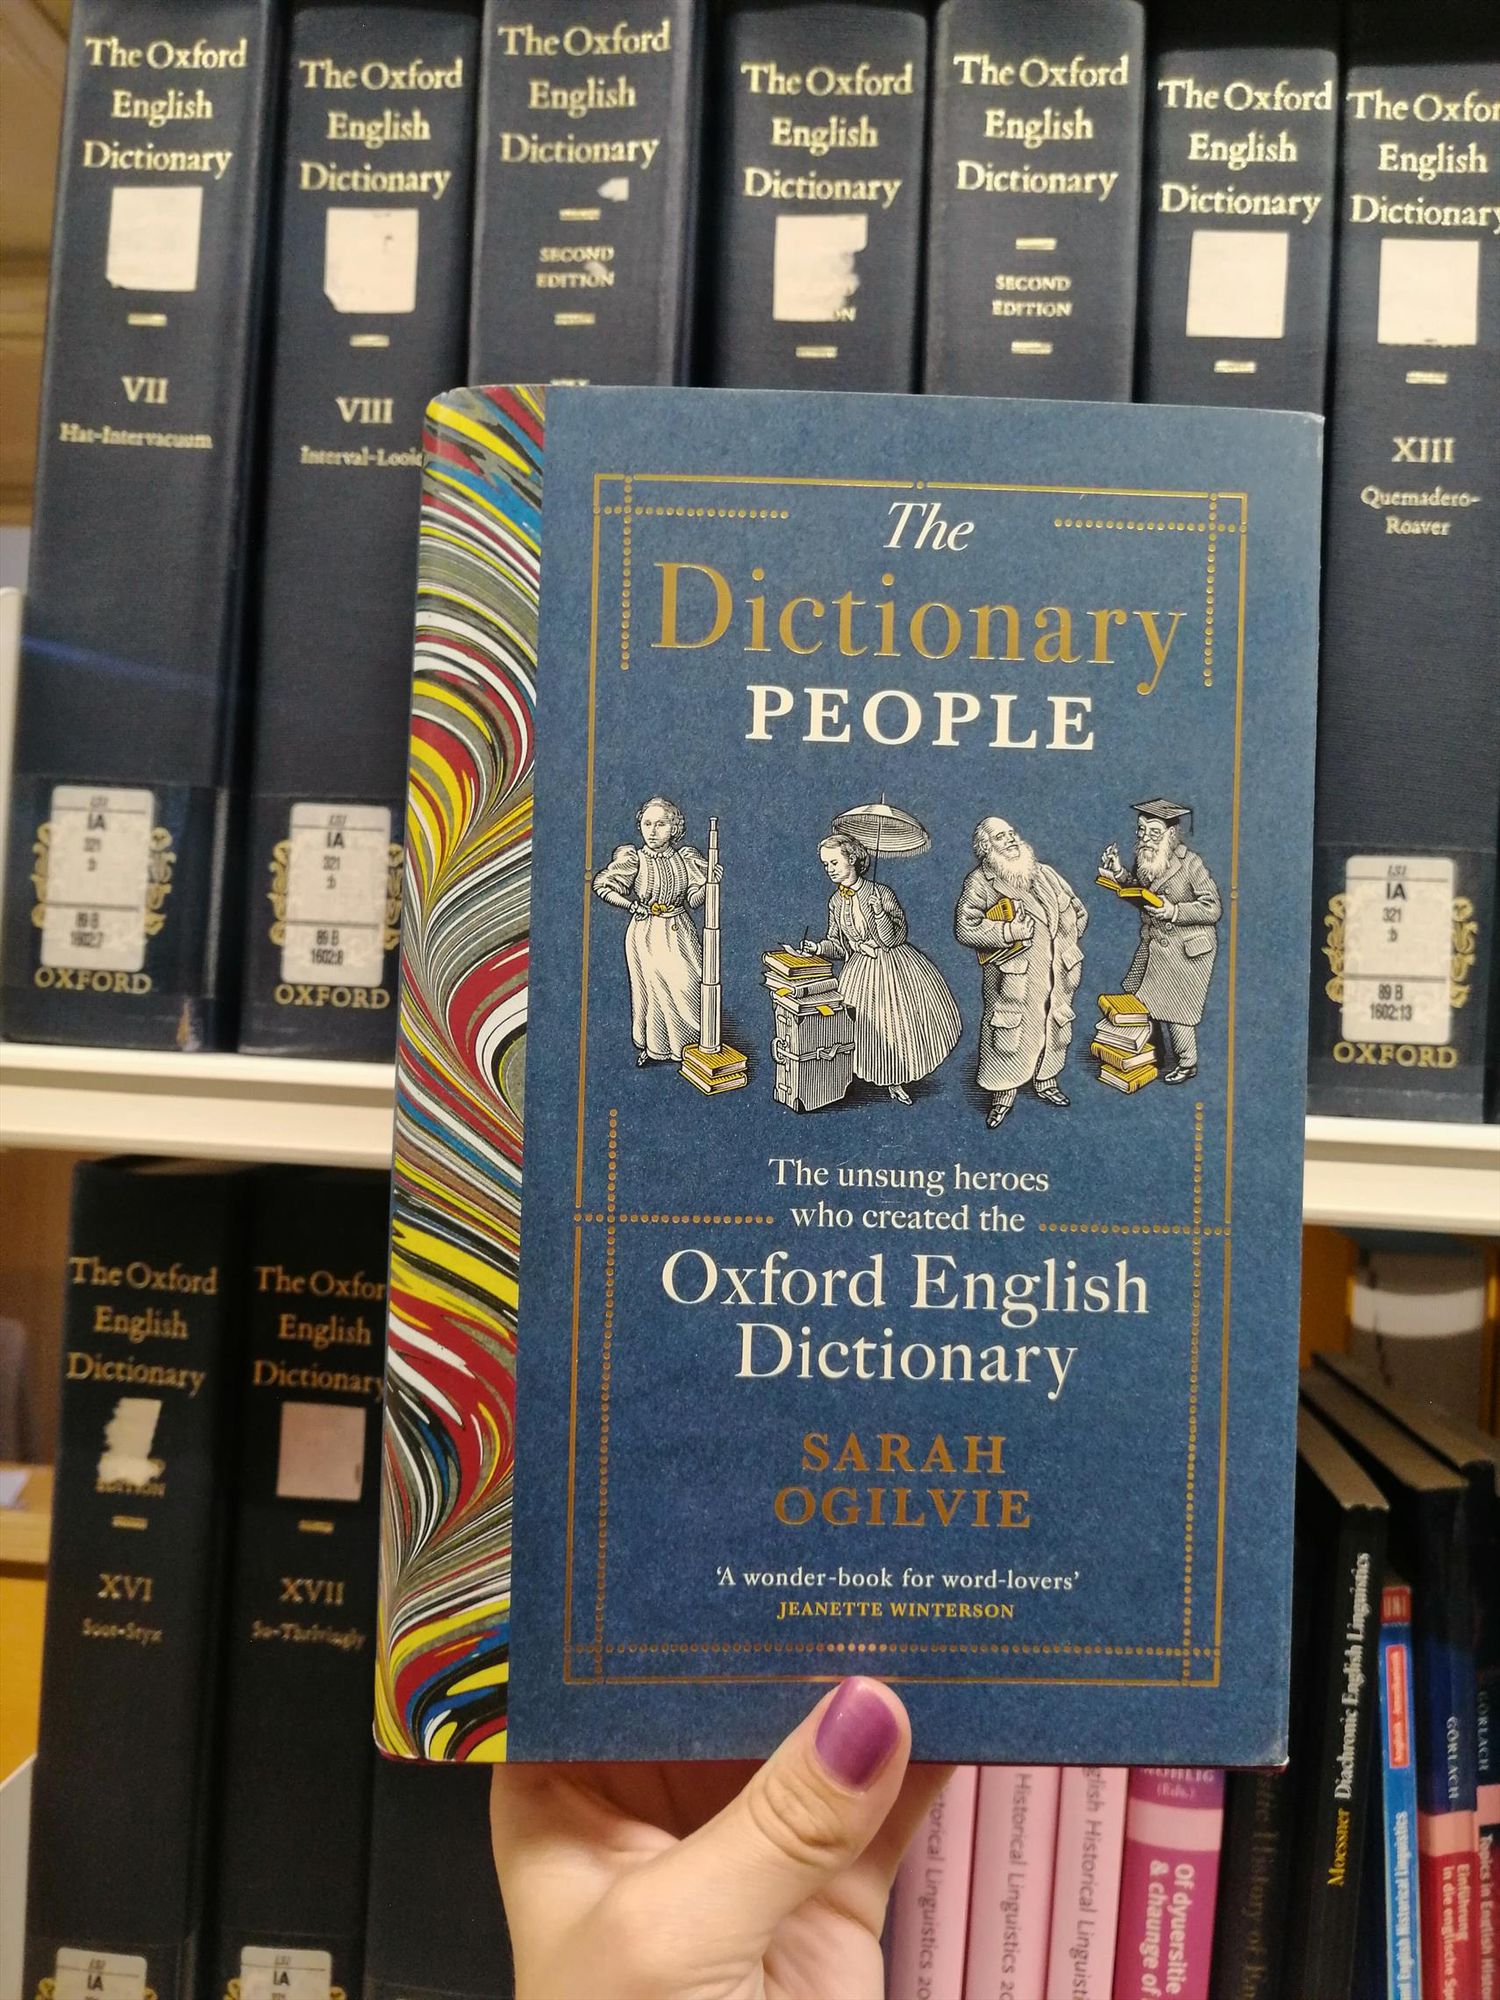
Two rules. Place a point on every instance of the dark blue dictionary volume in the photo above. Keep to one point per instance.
(913, 1116)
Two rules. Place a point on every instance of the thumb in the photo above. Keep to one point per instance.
(805, 1817)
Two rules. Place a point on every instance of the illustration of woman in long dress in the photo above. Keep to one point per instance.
(905, 1019)
(659, 883)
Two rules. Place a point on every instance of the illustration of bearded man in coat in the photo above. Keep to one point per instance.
(1174, 960)
(1026, 924)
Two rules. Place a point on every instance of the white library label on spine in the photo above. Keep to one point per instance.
(99, 1975)
(1398, 928)
(98, 872)
(322, 1453)
(268, 1972)
(338, 866)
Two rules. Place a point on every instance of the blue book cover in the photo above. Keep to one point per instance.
(901, 1004)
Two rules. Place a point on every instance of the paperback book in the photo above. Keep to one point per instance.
(870, 1302)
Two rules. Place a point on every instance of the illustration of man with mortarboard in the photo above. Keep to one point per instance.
(1174, 960)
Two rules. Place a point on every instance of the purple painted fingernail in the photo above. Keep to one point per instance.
(857, 1735)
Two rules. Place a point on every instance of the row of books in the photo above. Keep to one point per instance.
(209, 1816)
(1018, 197)
(1368, 1867)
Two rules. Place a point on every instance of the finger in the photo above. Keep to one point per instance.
(804, 1817)
(919, 1789)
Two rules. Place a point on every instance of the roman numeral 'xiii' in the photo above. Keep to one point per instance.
(365, 409)
(1422, 451)
(145, 388)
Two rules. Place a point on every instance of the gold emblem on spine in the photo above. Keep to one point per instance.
(232, 1992)
(281, 860)
(159, 868)
(1465, 949)
(1333, 948)
(394, 859)
(46, 1989)
(159, 865)
(41, 849)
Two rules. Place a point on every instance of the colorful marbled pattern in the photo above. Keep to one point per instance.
(450, 1406)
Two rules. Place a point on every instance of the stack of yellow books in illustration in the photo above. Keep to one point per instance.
(1122, 1043)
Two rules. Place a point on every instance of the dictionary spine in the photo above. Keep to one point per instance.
(930, 1898)
(1398, 1792)
(373, 256)
(126, 727)
(818, 225)
(295, 1761)
(436, 1928)
(132, 1593)
(1034, 206)
(1408, 795)
(1429, 1542)
(1086, 1881)
(1010, 1900)
(1174, 1828)
(585, 176)
(1255, 1865)
(1237, 229)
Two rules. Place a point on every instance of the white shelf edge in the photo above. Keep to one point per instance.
(1370, 1173)
(222, 1107)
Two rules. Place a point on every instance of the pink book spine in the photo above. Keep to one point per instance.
(930, 1899)
(1086, 1881)
(1174, 1828)
(1010, 1901)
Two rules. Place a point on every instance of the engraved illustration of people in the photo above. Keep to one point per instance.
(906, 1020)
(1174, 959)
(1026, 924)
(659, 883)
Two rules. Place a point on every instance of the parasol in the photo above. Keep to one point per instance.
(884, 829)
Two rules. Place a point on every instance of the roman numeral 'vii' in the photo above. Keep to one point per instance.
(365, 409)
(145, 388)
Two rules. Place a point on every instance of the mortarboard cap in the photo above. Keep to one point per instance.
(1164, 809)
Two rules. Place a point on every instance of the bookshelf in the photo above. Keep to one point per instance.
(1370, 1173)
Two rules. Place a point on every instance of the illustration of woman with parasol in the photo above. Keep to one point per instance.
(906, 1021)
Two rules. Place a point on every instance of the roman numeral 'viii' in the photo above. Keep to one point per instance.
(145, 388)
(365, 409)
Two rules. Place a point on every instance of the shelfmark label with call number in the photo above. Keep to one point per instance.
(1398, 927)
(98, 871)
(337, 868)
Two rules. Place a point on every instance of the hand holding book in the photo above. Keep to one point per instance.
(635, 1877)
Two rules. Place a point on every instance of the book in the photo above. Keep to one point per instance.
(1034, 175)
(1342, 1521)
(1260, 1829)
(1174, 1829)
(371, 286)
(1086, 1882)
(1397, 1871)
(1429, 1544)
(1129, 1081)
(658, 732)
(1476, 1455)
(1404, 890)
(929, 1914)
(1123, 1010)
(1129, 892)
(1121, 1061)
(116, 888)
(294, 1757)
(1237, 230)
(128, 1670)
(586, 167)
(1010, 1900)
(436, 1928)
(1124, 1041)
(821, 123)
